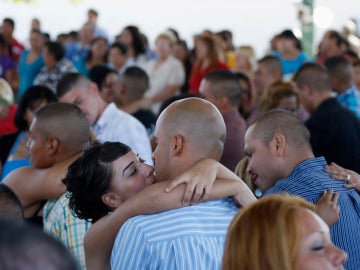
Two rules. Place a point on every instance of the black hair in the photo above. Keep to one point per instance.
(120, 46)
(89, 178)
(24, 246)
(98, 74)
(9, 21)
(56, 49)
(137, 42)
(68, 81)
(32, 97)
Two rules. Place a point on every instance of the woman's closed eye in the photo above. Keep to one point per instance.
(318, 246)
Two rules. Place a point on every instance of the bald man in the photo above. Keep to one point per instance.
(59, 134)
(192, 237)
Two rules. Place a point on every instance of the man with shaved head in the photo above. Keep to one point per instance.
(222, 88)
(59, 134)
(192, 237)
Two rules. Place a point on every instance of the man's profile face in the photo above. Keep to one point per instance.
(37, 144)
(161, 154)
(262, 161)
(86, 100)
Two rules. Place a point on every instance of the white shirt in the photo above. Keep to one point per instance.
(170, 72)
(115, 125)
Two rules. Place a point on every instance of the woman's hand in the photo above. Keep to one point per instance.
(352, 178)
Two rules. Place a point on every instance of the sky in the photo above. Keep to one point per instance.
(252, 22)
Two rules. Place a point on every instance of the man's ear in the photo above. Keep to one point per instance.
(53, 145)
(94, 88)
(177, 144)
(279, 143)
(309, 91)
(111, 199)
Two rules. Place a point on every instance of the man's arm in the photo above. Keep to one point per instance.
(100, 237)
(34, 185)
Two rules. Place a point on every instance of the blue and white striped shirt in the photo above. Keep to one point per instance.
(188, 238)
(309, 180)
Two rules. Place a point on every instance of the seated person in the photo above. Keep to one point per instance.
(14, 152)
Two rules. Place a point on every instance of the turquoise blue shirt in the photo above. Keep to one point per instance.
(28, 71)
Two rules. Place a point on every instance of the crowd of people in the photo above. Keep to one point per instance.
(133, 156)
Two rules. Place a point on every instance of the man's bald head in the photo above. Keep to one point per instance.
(199, 121)
(65, 122)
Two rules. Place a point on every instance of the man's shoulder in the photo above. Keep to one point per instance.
(197, 219)
(112, 114)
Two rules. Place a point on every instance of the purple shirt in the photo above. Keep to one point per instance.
(6, 63)
(234, 143)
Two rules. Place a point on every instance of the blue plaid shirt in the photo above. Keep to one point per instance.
(351, 100)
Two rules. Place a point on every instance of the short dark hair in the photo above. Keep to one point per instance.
(314, 75)
(224, 83)
(67, 123)
(120, 46)
(136, 81)
(10, 205)
(284, 122)
(90, 176)
(98, 74)
(9, 21)
(56, 49)
(68, 81)
(272, 63)
(24, 246)
(340, 67)
(32, 97)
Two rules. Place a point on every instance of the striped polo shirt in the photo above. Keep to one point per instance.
(309, 180)
(188, 238)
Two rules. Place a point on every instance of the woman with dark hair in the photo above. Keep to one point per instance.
(56, 65)
(97, 55)
(207, 59)
(131, 38)
(13, 149)
(109, 184)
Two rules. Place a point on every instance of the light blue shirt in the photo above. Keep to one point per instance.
(188, 238)
(351, 100)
